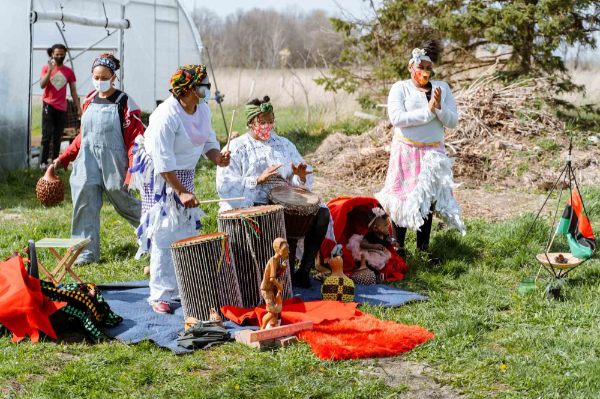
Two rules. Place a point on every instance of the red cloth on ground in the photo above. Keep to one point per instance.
(24, 310)
(362, 337)
(351, 215)
(340, 330)
(294, 311)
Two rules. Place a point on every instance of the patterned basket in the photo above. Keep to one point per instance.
(50, 191)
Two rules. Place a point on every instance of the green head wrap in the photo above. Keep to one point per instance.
(253, 110)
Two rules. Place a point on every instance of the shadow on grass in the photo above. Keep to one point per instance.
(67, 329)
(586, 274)
(449, 245)
(121, 250)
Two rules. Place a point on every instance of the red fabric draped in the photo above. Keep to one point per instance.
(362, 337)
(294, 311)
(24, 310)
(340, 331)
(351, 215)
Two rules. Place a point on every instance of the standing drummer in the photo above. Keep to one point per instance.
(261, 160)
(179, 133)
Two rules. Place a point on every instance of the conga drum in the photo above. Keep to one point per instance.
(299, 207)
(205, 274)
(251, 234)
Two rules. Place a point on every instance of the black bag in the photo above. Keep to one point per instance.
(203, 334)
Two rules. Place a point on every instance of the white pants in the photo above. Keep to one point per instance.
(163, 282)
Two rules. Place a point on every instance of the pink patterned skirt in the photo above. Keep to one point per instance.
(417, 177)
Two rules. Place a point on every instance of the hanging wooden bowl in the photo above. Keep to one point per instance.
(569, 263)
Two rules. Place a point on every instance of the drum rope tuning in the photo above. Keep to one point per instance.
(251, 233)
(202, 283)
(224, 251)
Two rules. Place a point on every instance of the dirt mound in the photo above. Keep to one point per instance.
(355, 158)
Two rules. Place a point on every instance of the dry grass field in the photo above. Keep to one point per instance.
(286, 87)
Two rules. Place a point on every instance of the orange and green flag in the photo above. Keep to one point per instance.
(575, 225)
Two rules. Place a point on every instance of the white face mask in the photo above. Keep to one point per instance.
(206, 94)
(203, 89)
(102, 85)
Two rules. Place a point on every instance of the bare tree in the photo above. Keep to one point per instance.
(254, 38)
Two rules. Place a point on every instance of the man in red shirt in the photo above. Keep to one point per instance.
(55, 77)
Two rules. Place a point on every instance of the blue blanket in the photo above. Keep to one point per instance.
(128, 300)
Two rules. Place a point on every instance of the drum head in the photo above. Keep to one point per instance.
(250, 211)
(184, 242)
(294, 197)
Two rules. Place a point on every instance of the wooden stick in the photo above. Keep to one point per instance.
(230, 130)
(210, 201)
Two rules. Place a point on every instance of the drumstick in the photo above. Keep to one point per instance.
(210, 201)
(230, 130)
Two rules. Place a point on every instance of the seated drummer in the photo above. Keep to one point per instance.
(260, 160)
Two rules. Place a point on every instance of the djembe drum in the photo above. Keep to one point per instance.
(205, 274)
(300, 207)
(252, 231)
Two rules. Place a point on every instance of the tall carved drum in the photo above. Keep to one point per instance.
(205, 274)
(251, 233)
(299, 208)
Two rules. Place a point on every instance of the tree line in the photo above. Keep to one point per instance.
(268, 39)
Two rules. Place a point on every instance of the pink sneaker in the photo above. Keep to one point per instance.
(162, 307)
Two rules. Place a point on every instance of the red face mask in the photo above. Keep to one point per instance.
(422, 77)
(262, 131)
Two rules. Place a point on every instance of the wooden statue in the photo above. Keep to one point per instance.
(271, 287)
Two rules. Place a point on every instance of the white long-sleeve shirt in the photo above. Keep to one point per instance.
(409, 112)
(249, 158)
(175, 140)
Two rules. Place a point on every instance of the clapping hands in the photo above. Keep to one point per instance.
(436, 99)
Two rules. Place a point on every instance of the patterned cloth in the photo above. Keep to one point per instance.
(377, 259)
(84, 302)
(162, 209)
(418, 177)
(405, 167)
(337, 288)
(249, 158)
(106, 62)
(253, 110)
(186, 177)
(187, 76)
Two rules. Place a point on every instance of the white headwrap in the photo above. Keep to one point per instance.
(418, 55)
(378, 212)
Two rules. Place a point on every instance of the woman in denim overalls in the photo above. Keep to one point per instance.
(109, 125)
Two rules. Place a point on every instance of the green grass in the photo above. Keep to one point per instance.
(490, 342)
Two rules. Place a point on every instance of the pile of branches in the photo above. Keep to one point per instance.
(489, 112)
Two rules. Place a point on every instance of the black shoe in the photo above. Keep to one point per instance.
(301, 278)
(401, 252)
(433, 260)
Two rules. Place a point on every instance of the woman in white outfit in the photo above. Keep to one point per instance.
(178, 134)
(419, 178)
